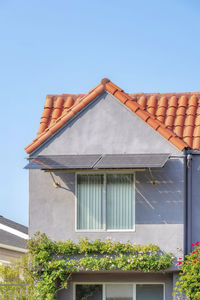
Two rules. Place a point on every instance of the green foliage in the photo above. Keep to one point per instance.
(16, 282)
(189, 280)
(53, 262)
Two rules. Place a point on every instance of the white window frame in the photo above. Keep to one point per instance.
(134, 284)
(104, 197)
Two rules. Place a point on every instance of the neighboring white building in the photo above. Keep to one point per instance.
(13, 238)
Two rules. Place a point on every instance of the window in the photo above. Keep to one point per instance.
(119, 292)
(105, 202)
(125, 291)
(149, 291)
(89, 292)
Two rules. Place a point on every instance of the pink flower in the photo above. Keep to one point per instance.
(180, 263)
(195, 244)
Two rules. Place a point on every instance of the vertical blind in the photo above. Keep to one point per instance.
(119, 292)
(115, 192)
(90, 202)
(119, 202)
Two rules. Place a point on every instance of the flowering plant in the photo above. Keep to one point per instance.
(54, 262)
(189, 280)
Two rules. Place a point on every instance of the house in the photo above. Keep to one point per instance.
(123, 166)
(13, 238)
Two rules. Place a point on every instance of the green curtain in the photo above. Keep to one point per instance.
(120, 202)
(90, 202)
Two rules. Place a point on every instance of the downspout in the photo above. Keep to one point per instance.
(187, 202)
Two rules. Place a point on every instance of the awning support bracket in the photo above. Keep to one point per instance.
(55, 183)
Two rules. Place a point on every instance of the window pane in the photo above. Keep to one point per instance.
(149, 292)
(120, 201)
(89, 292)
(119, 292)
(90, 202)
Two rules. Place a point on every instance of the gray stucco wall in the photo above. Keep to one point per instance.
(195, 165)
(129, 277)
(159, 208)
(107, 126)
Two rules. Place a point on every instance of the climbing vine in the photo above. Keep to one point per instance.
(189, 280)
(52, 263)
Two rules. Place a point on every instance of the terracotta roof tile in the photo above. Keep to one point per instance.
(189, 120)
(183, 101)
(191, 110)
(121, 96)
(193, 101)
(132, 105)
(151, 110)
(143, 115)
(176, 116)
(163, 102)
(197, 120)
(179, 120)
(171, 111)
(49, 102)
(196, 143)
(173, 102)
(180, 111)
(188, 131)
(165, 132)
(169, 121)
(152, 102)
(153, 123)
(198, 109)
(69, 102)
(188, 140)
(196, 131)
(178, 143)
(178, 130)
(142, 101)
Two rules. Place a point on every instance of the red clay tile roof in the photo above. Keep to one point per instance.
(176, 116)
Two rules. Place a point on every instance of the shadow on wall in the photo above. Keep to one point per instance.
(159, 193)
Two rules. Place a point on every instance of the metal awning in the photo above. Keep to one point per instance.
(104, 161)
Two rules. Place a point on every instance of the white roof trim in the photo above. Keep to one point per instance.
(13, 248)
(14, 231)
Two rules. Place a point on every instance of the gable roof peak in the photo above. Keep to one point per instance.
(169, 113)
(105, 80)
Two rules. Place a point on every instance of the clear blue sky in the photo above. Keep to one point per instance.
(66, 46)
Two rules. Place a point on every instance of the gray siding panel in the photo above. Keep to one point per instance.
(195, 198)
